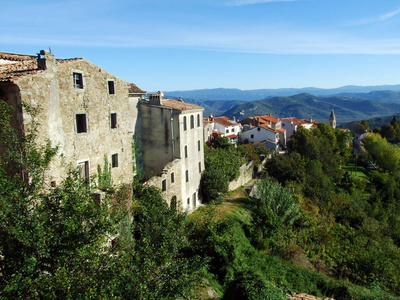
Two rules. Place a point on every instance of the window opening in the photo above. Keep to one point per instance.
(78, 80)
(164, 185)
(81, 124)
(111, 87)
(114, 160)
(114, 121)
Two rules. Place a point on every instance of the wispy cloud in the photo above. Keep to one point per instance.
(381, 18)
(250, 2)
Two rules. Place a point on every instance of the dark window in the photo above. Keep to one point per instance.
(186, 152)
(187, 175)
(113, 120)
(114, 159)
(188, 201)
(199, 167)
(184, 123)
(191, 121)
(164, 185)
(199, 145)
(194, 200)
(252, 136)
(81, 125)
(258, 129)
(78, 80)
(198, 120)
(111, 87)
(233, 130)
(227, 130)
(172, 177)
(83, 168)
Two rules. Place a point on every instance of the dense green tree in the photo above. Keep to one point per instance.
(222, 165)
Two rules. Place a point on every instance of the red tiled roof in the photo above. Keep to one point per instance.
(266, 127)
(133, 89)
(225, 121)
(16, 65)
(281, 130)
(180, 105)
(232, 136)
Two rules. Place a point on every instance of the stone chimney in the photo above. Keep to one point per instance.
(156, 99)
(234, 119)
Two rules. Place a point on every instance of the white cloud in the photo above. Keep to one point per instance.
(381, 18)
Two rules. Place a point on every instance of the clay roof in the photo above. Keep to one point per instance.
(225, 121)
(297, 121)
(281, 130)
(133, 89)
(180, 105)
(266, 127)
(267, 119)
(15, 65)
(231, 136)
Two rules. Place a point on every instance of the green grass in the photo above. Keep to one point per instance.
(355, 171)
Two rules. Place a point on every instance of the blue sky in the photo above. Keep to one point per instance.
(193, 44)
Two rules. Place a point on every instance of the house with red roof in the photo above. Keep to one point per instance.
(223, 126)
(292, 124)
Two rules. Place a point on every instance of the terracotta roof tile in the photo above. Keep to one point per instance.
(180, 105)
(266, 127)
(16, 65)
(225, 121)
(133, 89)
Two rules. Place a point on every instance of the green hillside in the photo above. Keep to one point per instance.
(305, 106)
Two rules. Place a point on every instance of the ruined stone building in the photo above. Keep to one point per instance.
(91, 114)
(172, 143)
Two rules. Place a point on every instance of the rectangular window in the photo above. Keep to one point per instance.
(113, 119)
(78, 80)
(114, 160)
(164, 185)
(83, 168)
(194, 200)
(198, 120)
(227, 130)
(188, 201)
(172, 177)
(252, 136)
(199, 145)
(81, 124)
(191, 122)
(186, 152)
(187, 175)
(199, 167)
(111, 87)
(184, 123)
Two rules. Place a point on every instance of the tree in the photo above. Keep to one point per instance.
(222, 165)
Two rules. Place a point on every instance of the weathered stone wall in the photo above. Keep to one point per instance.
(164, 139)
(246, 174)
(173, 185)
(53, 90)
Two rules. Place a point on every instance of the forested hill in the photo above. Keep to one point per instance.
(305, 106)
(250, 95)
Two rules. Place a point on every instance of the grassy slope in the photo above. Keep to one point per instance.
(298, 277)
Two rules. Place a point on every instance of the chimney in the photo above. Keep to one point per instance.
(211, 118)
(156, 98)
(41, 59)
(310, 119)
(234, 119)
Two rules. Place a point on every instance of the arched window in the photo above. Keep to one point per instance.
(191, 122)
(184, 123)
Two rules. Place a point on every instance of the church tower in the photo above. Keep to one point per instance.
(332, 120)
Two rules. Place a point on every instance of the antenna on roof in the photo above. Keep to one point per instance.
(49, 49)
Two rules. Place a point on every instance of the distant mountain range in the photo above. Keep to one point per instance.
(349, 102)
(250, 95)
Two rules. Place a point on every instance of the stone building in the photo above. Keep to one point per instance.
(86, 111)
(172, 144)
